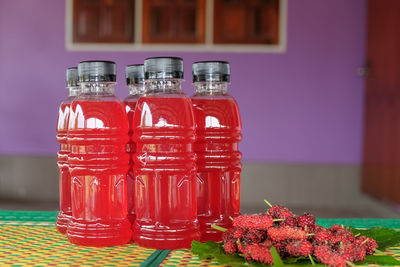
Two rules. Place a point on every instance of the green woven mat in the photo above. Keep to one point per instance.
(30, 238)
(50, 216)
(28, 216)
(361, 223)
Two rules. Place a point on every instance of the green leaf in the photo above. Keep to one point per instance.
(304, 264)
(277, 259)
(380, 260)
(205, 250)
(295, 259)
(215, 251)
(301, 261)
(385, 237)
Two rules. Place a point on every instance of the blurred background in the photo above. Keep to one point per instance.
(317, 83)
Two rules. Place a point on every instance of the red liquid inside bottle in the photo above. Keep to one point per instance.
(164, 163)
(98, 134)
(130, 105)
(134, 76)
(65, 212)
(98, 163)
(165, 172)
(218, 127)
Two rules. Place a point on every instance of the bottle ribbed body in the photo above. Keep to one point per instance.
(218, 127)
(130, 105)
(164, 166)
(65, 212)
(98, 163)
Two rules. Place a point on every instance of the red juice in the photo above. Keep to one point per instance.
(165, 190)
(218, 127)
(98, 134)
(130, 105)
(65, 212)
(218, 163)
(135, 82)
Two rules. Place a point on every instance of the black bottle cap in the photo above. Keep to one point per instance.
(163, 68)
(216, 71)
(134, 74)
(97, 71)
(72, 77)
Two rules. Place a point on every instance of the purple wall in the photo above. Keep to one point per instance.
(302, 106)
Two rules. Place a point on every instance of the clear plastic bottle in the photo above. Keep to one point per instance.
(165, 170)
(218, 127)
(65, 212)
(98, 134)
(135, 82)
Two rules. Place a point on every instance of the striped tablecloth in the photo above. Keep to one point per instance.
(29, 238)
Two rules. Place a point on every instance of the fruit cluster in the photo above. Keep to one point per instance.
(294, 236)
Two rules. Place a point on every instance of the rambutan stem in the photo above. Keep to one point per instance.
(311, 259)
(230, 217)
(278, 220)
(365, 241)
(357, 235)
(310, 234)
(219, 228)
(266, 201)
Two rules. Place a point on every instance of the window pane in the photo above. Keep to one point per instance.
(246, 22)
(173, 21)
(103, 21)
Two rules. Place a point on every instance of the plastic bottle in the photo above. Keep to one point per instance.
(98, 134)
(218, 127)
(164, 132)
(135, 82)
(65, 212)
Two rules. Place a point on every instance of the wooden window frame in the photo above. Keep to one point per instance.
(207, 46)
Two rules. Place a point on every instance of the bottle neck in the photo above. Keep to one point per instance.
(165, 86)
(98, 88)
(136, 89)
(74, 90)
(211, 88)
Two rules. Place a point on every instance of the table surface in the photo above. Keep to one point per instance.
(30, 238)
